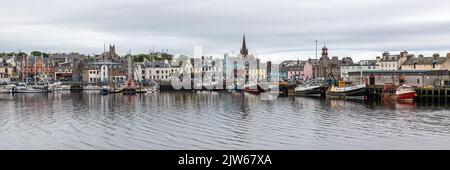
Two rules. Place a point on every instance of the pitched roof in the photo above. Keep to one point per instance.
(425, 61)
(390, 58)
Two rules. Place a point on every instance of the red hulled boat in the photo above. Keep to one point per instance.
(253, 89)
(405, 93)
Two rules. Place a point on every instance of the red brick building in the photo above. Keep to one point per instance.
(38, 68)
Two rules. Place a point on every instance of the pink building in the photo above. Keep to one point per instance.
(308, 70)
(302, 69)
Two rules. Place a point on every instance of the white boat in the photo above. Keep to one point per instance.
(310, 88)
(91, 87)
(58, 87)
(65, 87)
(31, 89)
(105, 90)
(352, 90)
(10, 88)
(151, 89)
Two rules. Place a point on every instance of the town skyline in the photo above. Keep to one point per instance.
(276, 57)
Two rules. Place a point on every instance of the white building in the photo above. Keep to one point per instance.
(105, 72)
(363, 65)
(393, 62)
(182, 66)
(154, 71)
(94, 76)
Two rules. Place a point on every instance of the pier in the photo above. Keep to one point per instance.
(375, 92)
(434, 94)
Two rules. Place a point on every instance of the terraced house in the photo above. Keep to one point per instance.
(8, 70)
(390, 62)
(37, 68)
(427, 63)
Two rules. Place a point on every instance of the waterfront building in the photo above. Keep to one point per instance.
(416, 78)
(315, 67)
(393, 62)
(8, 70)
(212, 68)
(37, 68)
(363, 65)
(68, 66)
(427, 63)
(329, 68)
(183, 66)
(296, 68)
(156, 70)
(64, 71)
(104, 72)
(252, 72)
(229, 67)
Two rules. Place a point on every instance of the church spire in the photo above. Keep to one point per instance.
(244, 50)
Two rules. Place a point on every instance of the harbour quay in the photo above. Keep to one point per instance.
(426, 83)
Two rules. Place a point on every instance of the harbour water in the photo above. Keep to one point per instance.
(216, 120)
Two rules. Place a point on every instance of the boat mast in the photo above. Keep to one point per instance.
(35, 70)
(315, 63)
(24, 64)
(361, 77)
(130, 67)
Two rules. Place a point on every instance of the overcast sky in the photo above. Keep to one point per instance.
(275, 29)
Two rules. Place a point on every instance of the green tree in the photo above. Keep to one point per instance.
(38, 53)
(139, 57)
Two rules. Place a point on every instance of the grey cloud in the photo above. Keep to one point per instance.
(271, 26)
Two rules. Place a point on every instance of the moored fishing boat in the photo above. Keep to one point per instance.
(59, 87)
(92, 87)
(308, 90)
(24, 88)
(130, 87)
(405, 92)
(348, 89)
(10, 88)
(401, 93)
(253, 89)
(105, 90)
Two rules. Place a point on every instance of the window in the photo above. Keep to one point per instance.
(434, 64)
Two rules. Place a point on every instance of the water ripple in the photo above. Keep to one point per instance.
(187, 120)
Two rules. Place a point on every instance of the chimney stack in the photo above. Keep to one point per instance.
(435, 56)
